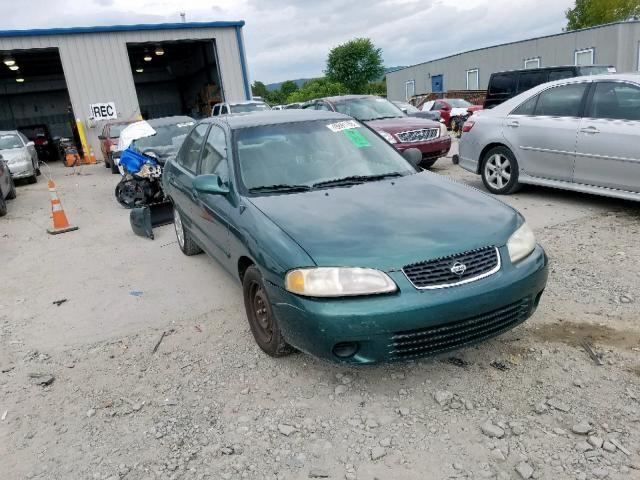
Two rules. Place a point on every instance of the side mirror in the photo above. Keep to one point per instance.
(30, 144)
(210, 184)
(413, 156)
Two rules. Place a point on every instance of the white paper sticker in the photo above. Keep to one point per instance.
(339, 126)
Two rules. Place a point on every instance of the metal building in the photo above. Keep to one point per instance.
(80, 78)
(616, 44)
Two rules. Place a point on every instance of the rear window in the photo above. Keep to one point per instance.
(561, 74)
(528, 80)
(596, 70)
(502, 84)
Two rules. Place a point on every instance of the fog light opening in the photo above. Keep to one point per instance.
(345, 349)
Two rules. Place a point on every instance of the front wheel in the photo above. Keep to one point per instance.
(500, 171)
(263, 323)
(12, 189)
(185, 242)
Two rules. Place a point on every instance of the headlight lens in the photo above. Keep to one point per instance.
(338, 282)
(521, 243)
(387, 136)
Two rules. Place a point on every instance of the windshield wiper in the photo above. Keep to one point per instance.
(280, 188)
(354, 180)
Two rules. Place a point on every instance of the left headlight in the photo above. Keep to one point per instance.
(387, 136)
(521, 243)
(338, 282)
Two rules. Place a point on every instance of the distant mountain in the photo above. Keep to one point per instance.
(300, 81)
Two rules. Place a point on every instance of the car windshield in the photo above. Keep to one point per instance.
(302, 155)
(368, 108)
(167, 139)
(458, 103)
(596, 70)
(249, 107)
(33, 132)
(114, 130)
(10, 141)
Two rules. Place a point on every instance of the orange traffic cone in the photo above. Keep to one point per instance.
(60, 222)
(92, 157)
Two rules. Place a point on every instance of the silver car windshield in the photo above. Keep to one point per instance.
(368, 108)
(304, 154)
(9, 141)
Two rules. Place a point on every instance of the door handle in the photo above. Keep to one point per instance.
(590, 129)
(513, 124)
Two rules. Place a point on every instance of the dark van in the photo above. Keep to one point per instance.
(504, 85)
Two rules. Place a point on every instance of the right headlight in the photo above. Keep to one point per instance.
(521, 243)
(338, 282)
(387, 136)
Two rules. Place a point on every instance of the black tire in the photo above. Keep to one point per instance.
(426, 164)
(33, 178)
(503, 164)
(262, 321)
(114, 167)
(107, 161)
(186, 243)
(3, 206)
(12, 190)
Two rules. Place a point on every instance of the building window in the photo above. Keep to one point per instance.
(532, 63)
(409, 89)
(473, 79)
(585, 57)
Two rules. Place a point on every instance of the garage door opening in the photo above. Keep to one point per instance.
(175, 78)
(34, 98)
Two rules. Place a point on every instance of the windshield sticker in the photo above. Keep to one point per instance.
(356, 138)
(339, 126)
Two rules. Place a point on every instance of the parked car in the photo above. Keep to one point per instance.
(450, 108)
(395, 127)
(109, 141)
(239, 107)
(412, 111)
(277, 107)
(578, 134)
(294, 105)
(344, 249)
(45, 144)
(505, 85)
(7, 187)
(20, 154)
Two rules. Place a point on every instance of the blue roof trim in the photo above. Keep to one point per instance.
(119, 28)
(243, 64)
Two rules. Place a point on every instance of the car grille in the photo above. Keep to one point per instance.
(454, 269)
(418, 135)
(440, 338)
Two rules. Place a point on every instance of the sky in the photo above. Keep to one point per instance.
(288, 39)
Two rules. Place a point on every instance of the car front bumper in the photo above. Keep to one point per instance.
(413, 323)
(431, 150)
(21, 169)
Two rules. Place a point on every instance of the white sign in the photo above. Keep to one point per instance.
(339, 126)
(103, 111)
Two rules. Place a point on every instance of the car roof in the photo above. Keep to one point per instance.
(340, 98)
(550, 68)
(9, 132)
(274, 117)
(247, 102)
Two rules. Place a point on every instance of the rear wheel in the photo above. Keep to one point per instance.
(114, 167)
(500, 171)
(12, 190)
(262, 321)
(3, 205)
(185, 242)
(107, 161)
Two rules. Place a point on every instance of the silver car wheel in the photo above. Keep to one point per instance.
(177, 221)
(497, 171)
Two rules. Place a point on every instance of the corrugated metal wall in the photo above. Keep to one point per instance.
(96, 66)
(617, 44)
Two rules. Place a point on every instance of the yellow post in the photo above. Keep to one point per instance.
(83, 140)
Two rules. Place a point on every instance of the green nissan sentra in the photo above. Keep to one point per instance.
(344, 249)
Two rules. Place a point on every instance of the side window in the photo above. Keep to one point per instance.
(563, 101)
(438, 105)
(617, 101)
(309, 106)
(529, 80)
(25, 140)
(322, 106)
(560, 74)
(526, 108)
(214, 155)
(502, 84)
(216, 111)
(190, 151)
(224, 109)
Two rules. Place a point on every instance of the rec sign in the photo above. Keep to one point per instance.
(103, 111)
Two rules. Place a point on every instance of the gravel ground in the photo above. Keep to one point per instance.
(83, 395)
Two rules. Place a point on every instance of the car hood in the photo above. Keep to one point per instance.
(390, 223)
(14, 153)
(402, 124)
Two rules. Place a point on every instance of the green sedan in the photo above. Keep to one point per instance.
(344, 249)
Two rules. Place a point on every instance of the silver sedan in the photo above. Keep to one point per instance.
(20, 154)
(579, 134)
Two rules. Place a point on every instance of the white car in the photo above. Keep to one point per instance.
(20, 154)
(239, 107)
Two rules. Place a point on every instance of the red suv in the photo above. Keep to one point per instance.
(451, 107)
(391, 123)
(109, 141)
